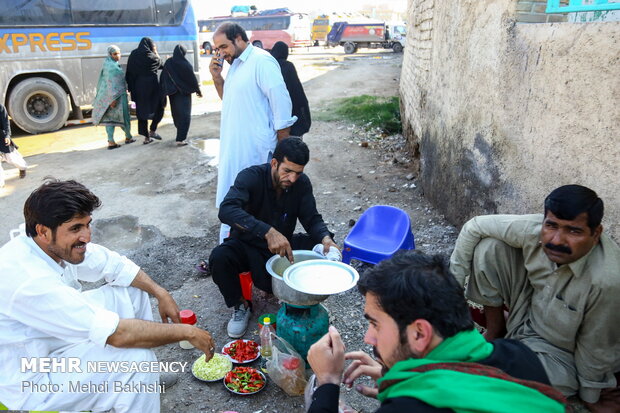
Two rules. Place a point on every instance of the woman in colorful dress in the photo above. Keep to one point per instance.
(111, 107)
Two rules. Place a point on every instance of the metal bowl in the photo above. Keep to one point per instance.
(276, 266)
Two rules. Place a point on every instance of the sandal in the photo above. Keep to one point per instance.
(154, 135)
(147, 140)
(181, 143)
(116, 145)
(203, 267)
(129, 140)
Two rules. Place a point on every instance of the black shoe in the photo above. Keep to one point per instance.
(154, 135)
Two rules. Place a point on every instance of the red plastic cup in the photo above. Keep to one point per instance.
(246, 285)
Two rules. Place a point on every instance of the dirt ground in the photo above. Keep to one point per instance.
(158, 209)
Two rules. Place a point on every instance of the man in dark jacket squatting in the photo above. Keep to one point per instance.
(262, 209)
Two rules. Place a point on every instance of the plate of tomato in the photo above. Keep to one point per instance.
(242, 351)
(245, 380)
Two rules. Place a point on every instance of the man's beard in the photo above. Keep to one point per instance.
(65, 254)
(236, 54)
(278, 182)
(402, 352)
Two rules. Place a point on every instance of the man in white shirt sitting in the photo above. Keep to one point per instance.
(64, 349)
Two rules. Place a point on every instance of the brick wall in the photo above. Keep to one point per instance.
(416, 67)
(533, 11)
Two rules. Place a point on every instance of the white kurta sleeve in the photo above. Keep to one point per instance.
(101, 263)
(271, 83)
(46, 304)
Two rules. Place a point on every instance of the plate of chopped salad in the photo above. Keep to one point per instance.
(242, 351)
(213, 370)
(245, 380)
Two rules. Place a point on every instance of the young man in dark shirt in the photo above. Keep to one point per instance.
(262, 209)
(430, 356)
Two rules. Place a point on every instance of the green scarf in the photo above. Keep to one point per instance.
(460, 391)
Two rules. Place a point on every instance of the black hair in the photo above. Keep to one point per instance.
(56, 202)
(232, 30)
(411, 285)
(568, 201)
(293, 149)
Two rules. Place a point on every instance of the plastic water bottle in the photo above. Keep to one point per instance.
(265, 338)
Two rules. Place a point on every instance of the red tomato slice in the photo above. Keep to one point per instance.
(291, 363)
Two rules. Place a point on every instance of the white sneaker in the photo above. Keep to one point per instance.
(239, 321)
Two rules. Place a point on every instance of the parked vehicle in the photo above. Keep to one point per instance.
(53, 50)
(264, 28)
(369, 35)
(320, 29)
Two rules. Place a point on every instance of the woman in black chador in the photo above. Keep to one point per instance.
(295, 89)
(142, 67)
(178, 82)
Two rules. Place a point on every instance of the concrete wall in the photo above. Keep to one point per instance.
(502, 112)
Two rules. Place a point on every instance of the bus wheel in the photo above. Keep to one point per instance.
(397, 47)
(39, 105)
(206, 46)
(257, 43)
(349, 47)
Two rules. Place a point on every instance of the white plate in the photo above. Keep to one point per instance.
(321, 277)
(201, 360)
(247, 394)
(243, 361)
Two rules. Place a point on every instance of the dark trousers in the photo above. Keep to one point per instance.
(234, 256)
(143, 128)
(181, 107)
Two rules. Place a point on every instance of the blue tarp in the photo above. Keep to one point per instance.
(270, 12)
(240, 9)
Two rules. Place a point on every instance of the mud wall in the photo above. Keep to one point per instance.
(503, 112)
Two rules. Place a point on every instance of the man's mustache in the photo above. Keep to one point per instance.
(558, 248)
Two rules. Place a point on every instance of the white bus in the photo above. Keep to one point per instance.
(51, 51)
(263, 30)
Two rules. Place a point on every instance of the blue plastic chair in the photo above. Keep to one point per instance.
(378, 234)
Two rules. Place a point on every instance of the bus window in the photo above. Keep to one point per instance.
(35, 12)
(179, 10)
(112, 12)
(164, 11)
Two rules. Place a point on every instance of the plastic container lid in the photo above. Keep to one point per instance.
(188, 317)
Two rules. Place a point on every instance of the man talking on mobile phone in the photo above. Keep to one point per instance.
(256, 106)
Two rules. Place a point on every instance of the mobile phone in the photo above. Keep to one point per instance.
(218, 58)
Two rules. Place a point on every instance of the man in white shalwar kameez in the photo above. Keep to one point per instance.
(44, 314)
(256, 106)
